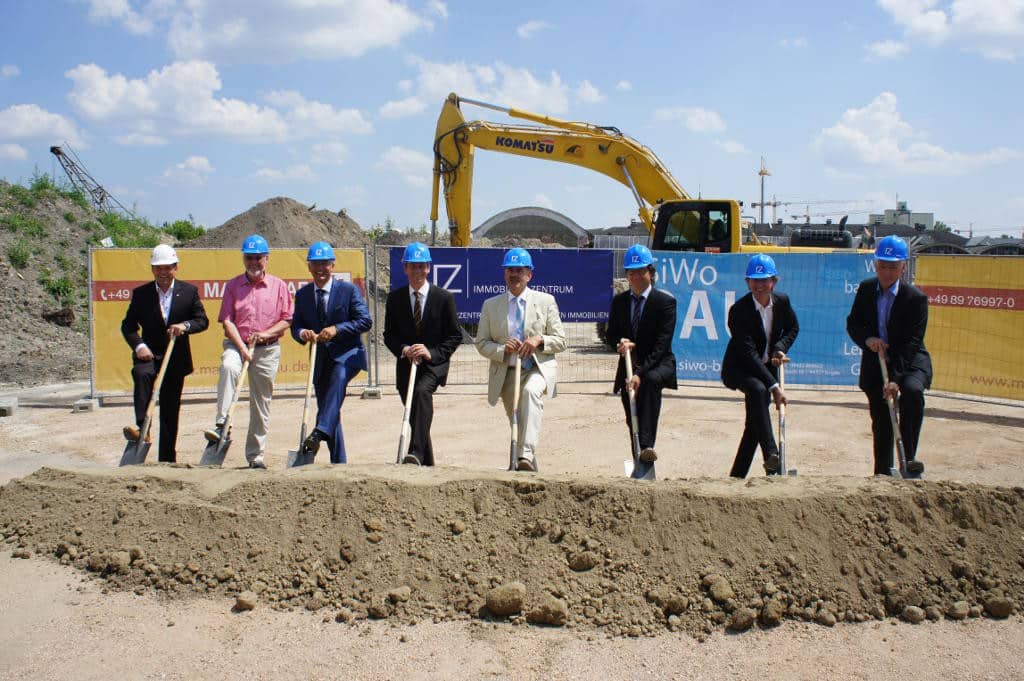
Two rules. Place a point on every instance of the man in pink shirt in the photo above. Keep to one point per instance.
(257, 308)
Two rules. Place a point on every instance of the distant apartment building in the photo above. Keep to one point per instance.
(901, 215)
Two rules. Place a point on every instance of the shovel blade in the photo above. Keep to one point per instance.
(135, 452)
(215, 452)
(298, 458)
(639, 470)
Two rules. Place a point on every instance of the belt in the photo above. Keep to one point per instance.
(269, 342)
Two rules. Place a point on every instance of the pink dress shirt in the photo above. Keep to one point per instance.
(255, 307)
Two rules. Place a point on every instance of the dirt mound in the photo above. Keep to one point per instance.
(285, 222)
(386, 542)
(44, 310)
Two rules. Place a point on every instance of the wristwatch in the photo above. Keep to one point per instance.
(187, 326)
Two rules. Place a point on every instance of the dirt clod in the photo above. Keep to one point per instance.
(245, 601)
(507, 599)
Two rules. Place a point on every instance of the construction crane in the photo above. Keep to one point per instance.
(84, 182)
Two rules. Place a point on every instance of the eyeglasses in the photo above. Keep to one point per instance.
(257, 256)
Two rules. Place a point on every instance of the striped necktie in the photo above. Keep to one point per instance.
(417, 311)
(638, 308)
(321, 306)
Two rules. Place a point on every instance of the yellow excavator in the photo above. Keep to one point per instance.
(675, 220)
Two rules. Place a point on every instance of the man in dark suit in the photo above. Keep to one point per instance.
(421, 326)
(762, 327)
(642, 321)
(162, 308)
(330, 312)
(889, 316)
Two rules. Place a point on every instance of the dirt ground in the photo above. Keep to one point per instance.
(622, 579)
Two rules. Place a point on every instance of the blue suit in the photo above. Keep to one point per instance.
(339, 360)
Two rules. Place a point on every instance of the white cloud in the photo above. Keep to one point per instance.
(9, 71)
(121, 11)
(295, 173)
(731, 146)
(796, 42)
(180, 100)
(402, 108)
(489, 83)
(588, 94)
(695, 118)
(876, 135)
(309, 117)
(414, 167)
(26, 121)
(439, 8)
(992, 28)
(329, 153)
(13, 152)
(193, 171)
(885, 49)
(288, 30)
(140, 139)
(532, 28)
(624, 85)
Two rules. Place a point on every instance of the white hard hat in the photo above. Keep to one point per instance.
(163, 255)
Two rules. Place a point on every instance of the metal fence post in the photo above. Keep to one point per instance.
(372, 390)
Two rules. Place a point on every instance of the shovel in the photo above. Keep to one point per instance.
(515, 418)
(782, 424)
(636, 469)
(135, 451)
(215, 452)
(406, 434)
(296, 457)
(911, 469)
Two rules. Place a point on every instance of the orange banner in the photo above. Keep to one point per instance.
(975, 331)
(115, 272)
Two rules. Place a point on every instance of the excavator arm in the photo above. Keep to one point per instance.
(602, 149)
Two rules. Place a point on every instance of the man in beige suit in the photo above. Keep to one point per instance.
(521, 322)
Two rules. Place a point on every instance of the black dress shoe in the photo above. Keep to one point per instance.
(525, 464)
(648, 455)
(312, 444)
(411, 458)
(771, 464)
(914, 469)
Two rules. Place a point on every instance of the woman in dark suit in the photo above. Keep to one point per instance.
(763, 328)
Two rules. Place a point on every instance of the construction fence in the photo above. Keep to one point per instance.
(975, 330)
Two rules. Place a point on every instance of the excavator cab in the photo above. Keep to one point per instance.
(696, 225)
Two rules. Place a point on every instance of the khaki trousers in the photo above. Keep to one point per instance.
(532, 388)
(262, 372)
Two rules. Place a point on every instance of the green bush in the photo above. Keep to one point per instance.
(42, 184)
(22, 195)
(70, 217)
(61, 288)
(18, 253)
(184, 230)
(126, 232)
(20, 224)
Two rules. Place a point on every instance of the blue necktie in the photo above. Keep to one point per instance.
(883, 322)
(520, 320)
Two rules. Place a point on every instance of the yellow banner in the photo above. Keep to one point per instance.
(115, 272)
(975, 322)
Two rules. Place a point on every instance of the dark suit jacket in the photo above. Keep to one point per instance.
(653, 353)
(346, 311)
(439, 329)
(908, 321)
(144, 312)
(743, 355)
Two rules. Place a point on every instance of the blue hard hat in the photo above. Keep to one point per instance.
(320, 250)
(416, 252)
(517, 257)
(255, 245)
(891, 248)
(761, 266)
(637, 257)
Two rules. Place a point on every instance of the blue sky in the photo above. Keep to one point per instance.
(210, 106)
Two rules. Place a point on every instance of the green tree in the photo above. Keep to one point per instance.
(940, 226)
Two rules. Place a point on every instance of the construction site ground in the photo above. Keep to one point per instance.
(379, 571)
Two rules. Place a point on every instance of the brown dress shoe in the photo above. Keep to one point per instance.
(131, 433)
(648, 455)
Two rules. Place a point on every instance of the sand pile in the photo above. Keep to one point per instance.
(630, 559)
(284, 223)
